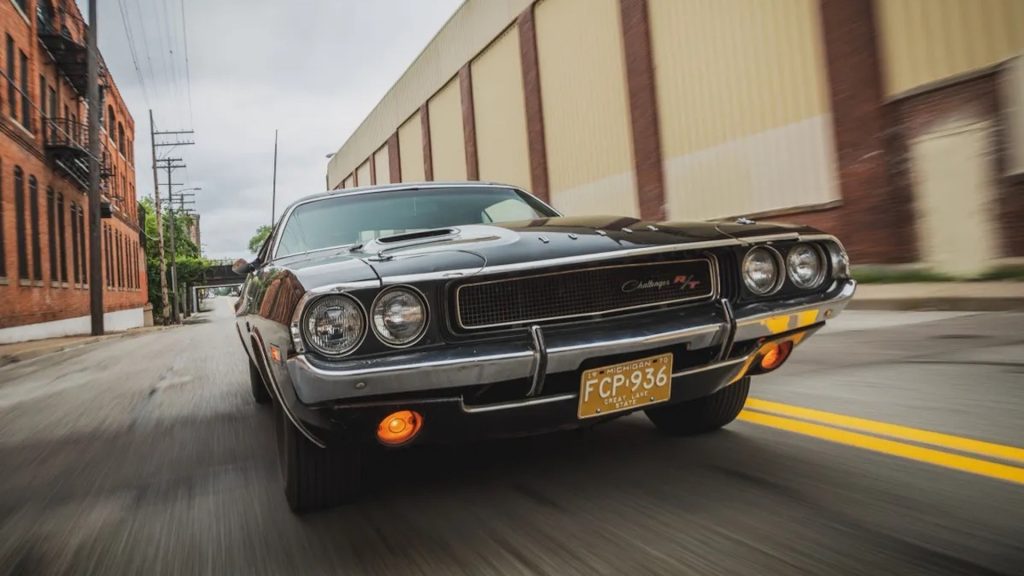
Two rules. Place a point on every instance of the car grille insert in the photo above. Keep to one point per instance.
(590, 291)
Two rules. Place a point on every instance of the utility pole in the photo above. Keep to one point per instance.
(170, 165)
(159, 221)
(95, 254)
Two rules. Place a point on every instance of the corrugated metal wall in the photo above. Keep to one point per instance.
(927, 41)
(500, 112)
(586, 113)
(382, 165)
(743, 105)
(410, 143)
(447, 138)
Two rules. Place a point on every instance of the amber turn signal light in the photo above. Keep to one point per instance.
(399, 427)
(773, 355)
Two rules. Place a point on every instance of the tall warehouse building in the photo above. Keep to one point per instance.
(896, 124)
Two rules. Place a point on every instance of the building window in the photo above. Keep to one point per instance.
(12, 90)
(62, 238)
(19, 223)
(52, 112)
(23, 5)
(81, 241)
(26, 104)
(120, 260)
(51, 232)
(120, 138)
(33, 208)
(75, 248)
(3, 252)
(110, 122)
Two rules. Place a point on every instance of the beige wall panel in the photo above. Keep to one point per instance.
(470, 29)
(955, 196)
(586, 113)
(1012, 100)
(363, 174)
(926, 41)
(382, 164)
(500, 113)
(410, 149)
(348, 182)
(793, 165)
(447, 139)
(743, 105)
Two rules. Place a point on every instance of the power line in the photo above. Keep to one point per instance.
(188, 72)
(131, 49)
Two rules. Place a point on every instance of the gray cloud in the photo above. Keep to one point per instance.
(311, 68)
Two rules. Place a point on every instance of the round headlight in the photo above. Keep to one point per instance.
(761, 272)
(334, 325)
(399, 316)
(805, 265)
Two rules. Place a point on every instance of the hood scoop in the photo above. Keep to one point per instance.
(418, 235)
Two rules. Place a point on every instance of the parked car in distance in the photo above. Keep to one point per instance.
(416, 313)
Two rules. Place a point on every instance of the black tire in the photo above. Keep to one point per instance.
(701, 414)
(315, 478)
(259, 389)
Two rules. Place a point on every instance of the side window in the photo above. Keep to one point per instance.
(264, 254)
(508, 211)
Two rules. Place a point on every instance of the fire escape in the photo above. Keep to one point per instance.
(66, 139)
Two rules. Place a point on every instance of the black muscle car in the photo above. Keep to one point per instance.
(394, 315)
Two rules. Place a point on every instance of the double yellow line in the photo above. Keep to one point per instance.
(901, 441)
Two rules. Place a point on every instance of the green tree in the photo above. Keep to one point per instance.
(191, 264)
(262, 233)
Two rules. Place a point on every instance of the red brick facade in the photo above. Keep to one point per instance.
(43, 210)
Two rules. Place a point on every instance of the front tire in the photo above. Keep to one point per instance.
(701, 415)
(259, 389)
(314, 477)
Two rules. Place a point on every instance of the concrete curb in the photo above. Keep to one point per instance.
(64, 344)
(940, 304)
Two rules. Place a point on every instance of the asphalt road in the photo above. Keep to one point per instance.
(146, 455)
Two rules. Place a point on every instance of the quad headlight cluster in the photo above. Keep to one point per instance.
(765, 270)
(336, 324)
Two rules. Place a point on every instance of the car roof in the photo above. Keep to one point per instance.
(398, 186)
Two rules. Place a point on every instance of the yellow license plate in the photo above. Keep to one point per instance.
(624, 386)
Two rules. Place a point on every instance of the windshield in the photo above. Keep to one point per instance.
(359, 218)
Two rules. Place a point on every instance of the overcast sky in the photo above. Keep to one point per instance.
(311, 68)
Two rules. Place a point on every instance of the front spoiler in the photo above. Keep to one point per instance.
(560, 349)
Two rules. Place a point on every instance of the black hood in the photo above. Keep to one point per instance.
(479, 246)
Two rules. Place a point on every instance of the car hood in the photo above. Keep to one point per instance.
(465, 250)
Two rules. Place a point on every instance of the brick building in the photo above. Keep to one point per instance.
(896, 124)
(44, 175)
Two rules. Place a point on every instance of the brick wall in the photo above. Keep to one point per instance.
(48, 294)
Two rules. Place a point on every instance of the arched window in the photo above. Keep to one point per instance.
(120, 138)
(62, 238)
(74, 244)
(3, 252)
(51, 232)
(33, 209)
(81, 242)
(20, 229)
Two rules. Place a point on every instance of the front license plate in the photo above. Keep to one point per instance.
(624, 386)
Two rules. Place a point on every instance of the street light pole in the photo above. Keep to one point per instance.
(95, 254)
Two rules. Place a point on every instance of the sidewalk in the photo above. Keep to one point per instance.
(21, 351)
(952, 296)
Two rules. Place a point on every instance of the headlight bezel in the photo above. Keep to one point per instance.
(823, 266)
(780, 270)
(416, 293)
(307, 339)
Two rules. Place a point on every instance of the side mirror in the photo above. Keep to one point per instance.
(241, 267)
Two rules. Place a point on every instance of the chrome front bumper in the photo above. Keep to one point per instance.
(548, 351)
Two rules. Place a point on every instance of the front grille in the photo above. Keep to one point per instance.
(591, 291)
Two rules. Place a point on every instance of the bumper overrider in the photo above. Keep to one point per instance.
(349, 398)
